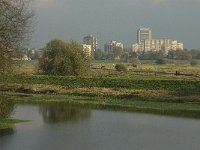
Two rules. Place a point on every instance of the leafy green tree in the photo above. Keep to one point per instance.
(124, 57)
(98, 54)
(152, 55)
(64, 58)
(179, 55)
(117, 51)
(195, 53)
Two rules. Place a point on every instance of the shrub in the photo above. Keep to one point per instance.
(120, 67)
(194, 63)
(161, 61)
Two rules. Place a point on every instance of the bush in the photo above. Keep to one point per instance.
(194, 63)
(161, 61)
(120, 67)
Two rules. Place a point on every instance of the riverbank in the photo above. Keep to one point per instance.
(190, 110)
(172, 95)
(145, 88)
(8, 123)
(83, 98)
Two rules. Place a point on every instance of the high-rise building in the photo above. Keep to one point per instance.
(87, 49)
(91, 40)
(113, 49)
(143, 34)
(157, 45)
(145, 43)
(113, 45)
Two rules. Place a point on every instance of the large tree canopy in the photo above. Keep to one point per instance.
(15, 23)
(64, 58)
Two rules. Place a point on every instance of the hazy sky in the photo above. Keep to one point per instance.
(116, 20)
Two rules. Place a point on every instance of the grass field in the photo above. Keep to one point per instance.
(27, 67)
(148, 80)
(143, 68)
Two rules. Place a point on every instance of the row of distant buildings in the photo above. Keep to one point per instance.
(90, 45)
(145, 43)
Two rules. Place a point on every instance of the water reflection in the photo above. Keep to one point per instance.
(56, 109)
(102, 130)
(6, 106)
(7, 131)
(6, 109)
(175, 113)
(56, 113)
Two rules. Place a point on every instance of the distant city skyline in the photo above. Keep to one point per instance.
(146, 42)
(116, 20)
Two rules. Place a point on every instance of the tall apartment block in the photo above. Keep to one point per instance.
(143, 34)
(145, 43)
(91, 40)
(112, 45)
(87, 49)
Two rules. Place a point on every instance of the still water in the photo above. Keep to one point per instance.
(62, 127)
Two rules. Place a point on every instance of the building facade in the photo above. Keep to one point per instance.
(113, 49)
(87, 50)
(157, 45)
(91, 40)
(112, 45)
(143, 34)
(146, 43)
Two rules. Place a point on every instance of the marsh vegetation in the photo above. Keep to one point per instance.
(147, 86)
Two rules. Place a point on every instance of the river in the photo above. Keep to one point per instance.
(62, 127)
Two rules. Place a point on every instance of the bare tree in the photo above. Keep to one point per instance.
(15, 26)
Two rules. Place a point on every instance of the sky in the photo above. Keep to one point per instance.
(116, 20)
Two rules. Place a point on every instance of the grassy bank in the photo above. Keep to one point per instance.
(185, 109)
(109, 101)
(8, 123)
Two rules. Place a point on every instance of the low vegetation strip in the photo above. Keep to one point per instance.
(8, 123)
(109, 102)
(130, 83)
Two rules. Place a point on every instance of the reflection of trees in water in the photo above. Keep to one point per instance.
(6, 109)
(7, 131)
(6, 106)
(63, 113)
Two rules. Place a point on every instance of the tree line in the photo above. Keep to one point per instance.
(128, 55)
